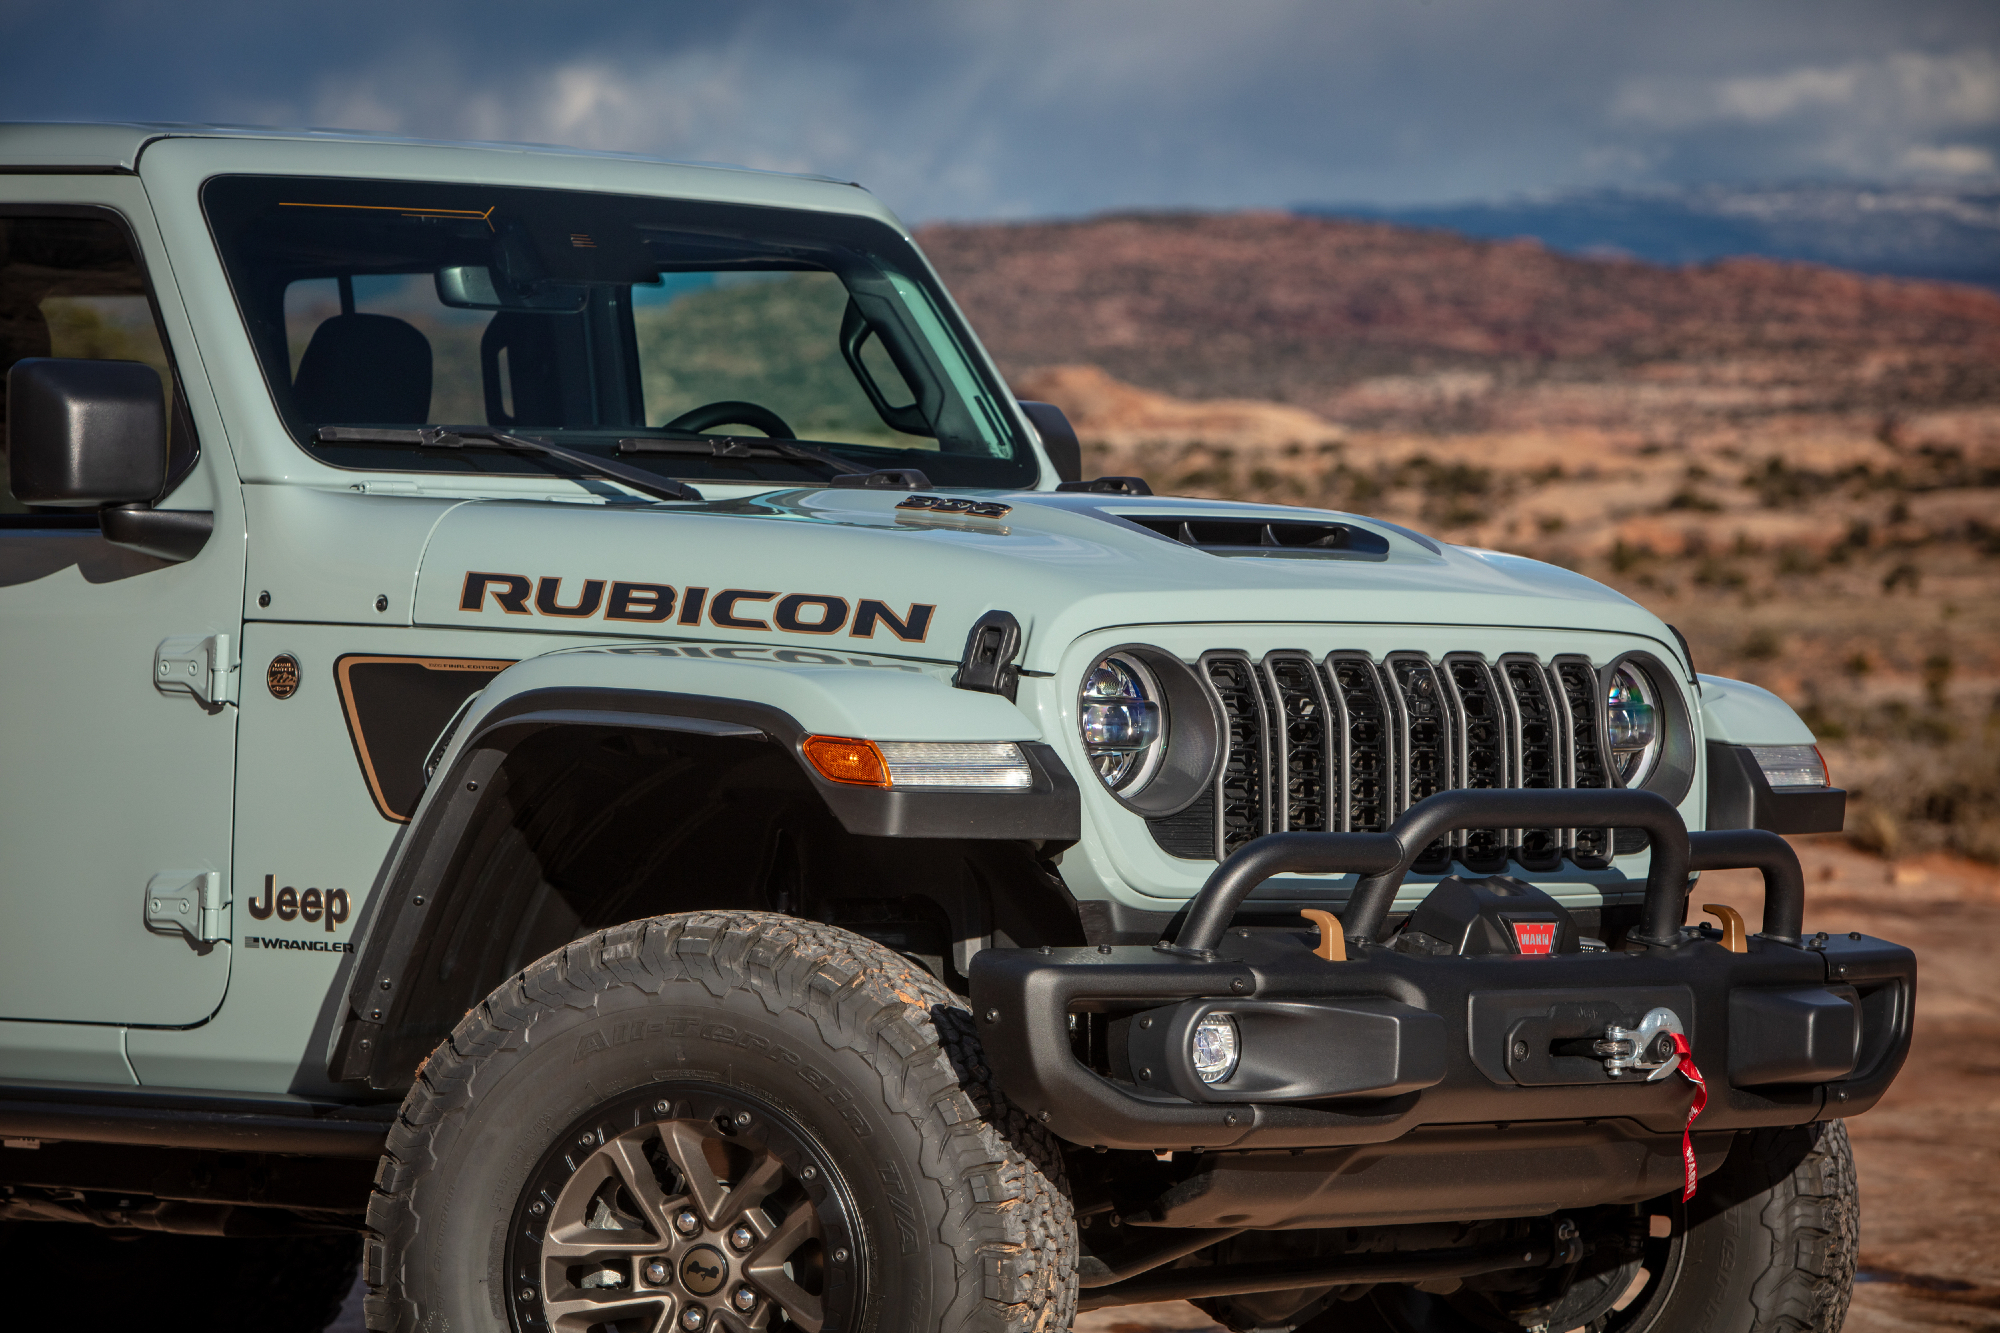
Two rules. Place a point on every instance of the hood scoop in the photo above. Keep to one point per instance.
(1284, 537)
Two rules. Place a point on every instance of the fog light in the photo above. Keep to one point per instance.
(1214, 1048)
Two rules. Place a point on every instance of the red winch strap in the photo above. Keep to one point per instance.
(1687, 1067)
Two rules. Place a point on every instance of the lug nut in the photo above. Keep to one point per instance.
(744, 1299)
(693, 1318)
(657, 1271)
(686, 1222)
(742, 1238)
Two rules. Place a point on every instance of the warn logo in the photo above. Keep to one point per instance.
(658, 603)
(1534, 936)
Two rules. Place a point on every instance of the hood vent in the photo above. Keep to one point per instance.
(1272, 537)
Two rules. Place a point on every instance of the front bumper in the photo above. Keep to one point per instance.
(1370, 1049)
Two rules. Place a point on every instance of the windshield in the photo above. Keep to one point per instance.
(592, 319)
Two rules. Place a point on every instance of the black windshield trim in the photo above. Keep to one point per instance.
(228, 206)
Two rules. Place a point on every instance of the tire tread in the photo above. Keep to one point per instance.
(1008, 1216)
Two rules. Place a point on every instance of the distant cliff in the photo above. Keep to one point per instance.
(1376, 325)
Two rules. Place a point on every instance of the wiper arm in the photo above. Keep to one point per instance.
(456, 437)
(737, 446)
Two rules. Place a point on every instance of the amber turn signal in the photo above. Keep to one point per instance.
(842, 759)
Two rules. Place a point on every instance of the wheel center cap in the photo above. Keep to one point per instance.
(703, 1270)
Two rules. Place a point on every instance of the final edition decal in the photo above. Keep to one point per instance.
(727, 608)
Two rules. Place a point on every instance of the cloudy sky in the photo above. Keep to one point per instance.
(1013, 108)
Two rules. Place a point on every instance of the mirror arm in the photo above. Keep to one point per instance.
(173, 535)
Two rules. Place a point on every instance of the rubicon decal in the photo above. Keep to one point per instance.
(725, 608)
(312, 906)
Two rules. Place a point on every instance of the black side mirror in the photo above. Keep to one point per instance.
(1058, 438)
(85, 434)
(93, 435)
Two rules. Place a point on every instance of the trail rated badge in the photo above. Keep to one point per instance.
(282, 676)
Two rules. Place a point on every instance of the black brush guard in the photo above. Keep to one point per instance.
(1367, 1050)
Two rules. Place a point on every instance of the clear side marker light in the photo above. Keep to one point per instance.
(963, 765)
(1791, 765)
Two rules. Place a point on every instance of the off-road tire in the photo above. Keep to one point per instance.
(1767, 1245)
(68, 1275)
(962, 1197)
(1771, 1239)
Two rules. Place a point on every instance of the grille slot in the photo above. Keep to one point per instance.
(1537, 725)
(1349, 744)
(1242, 800)
(1369, 774)
(1424, 723)
(1482, 754)
(1305, 760)
(1577, 680)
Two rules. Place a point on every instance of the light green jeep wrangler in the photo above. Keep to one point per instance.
(567, 736)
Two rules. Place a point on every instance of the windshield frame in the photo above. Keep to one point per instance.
(1004, 455)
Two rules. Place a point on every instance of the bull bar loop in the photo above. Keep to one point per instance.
(1382, 860)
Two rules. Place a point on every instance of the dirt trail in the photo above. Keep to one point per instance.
(1929, 1153)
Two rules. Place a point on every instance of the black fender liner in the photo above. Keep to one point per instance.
(402, 914)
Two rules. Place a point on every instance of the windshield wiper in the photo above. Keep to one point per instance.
(737, 446)
(457, 437)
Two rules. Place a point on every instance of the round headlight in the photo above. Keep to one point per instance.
(1632, 725)
(1121, 720)
(1213, 1048)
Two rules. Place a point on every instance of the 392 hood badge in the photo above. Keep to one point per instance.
(952, 504)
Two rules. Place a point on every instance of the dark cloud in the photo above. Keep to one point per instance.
(1062, 106)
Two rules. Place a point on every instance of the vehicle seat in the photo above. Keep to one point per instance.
(24, 332)
(533, 371)
(365, 368)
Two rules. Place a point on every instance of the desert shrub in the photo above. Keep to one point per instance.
(1687, 498)
(1761, 645)
(1904, 575)
(1940, 795)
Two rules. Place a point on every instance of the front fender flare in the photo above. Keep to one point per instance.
(524, 702)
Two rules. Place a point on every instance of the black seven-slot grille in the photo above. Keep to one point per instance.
(1347, 744)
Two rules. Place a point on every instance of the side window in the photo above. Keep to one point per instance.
(71, 285)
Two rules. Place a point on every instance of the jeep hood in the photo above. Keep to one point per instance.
(851, 570)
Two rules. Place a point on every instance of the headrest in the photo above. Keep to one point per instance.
(23, 333)
(365, 368)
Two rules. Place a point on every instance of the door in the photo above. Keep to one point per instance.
(115, 796)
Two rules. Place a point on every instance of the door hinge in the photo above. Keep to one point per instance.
(200, 665)
(193, 904)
